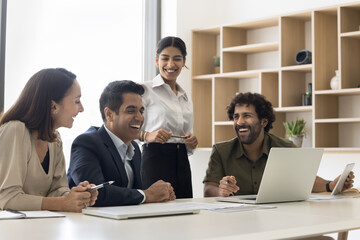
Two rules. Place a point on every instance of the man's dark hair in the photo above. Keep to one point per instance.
(263, 107)
(112, 96)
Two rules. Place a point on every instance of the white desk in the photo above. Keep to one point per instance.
(288, 220)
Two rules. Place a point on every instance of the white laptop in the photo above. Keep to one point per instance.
(338, 187)
(143, 210)
(289, 175)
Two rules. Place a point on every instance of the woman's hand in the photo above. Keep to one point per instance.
(191, 141)
(79, 198)
(161, 136)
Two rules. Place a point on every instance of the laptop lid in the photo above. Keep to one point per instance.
(289, 175)
(142, 210)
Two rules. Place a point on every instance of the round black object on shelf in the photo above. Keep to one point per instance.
(303, 57)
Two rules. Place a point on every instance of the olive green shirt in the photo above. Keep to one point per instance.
(229, 159)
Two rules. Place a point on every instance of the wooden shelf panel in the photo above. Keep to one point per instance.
(338, 120)
(241, 74)
(340, 92)
(262, 23)
(207, 77)
(298, 68)
(355, 34)
(210, 30)
(254, 48)
(341, 150)
(294, 109)
(223, 123)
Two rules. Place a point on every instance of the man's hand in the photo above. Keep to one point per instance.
(159, 191)
(348, 182)
(227, 186)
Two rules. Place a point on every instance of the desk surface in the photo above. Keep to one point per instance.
(288, 220)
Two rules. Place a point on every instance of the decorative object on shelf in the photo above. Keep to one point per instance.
(335, 81)
(295, 131)
(306, 98)
(303, 57)
(216, 64)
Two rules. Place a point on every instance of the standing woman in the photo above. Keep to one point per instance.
(32, 164)
(168, 124)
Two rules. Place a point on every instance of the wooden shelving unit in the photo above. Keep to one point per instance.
(259, 56)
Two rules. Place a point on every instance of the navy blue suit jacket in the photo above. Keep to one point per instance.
(95, 158)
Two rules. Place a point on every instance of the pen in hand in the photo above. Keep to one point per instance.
(175, 136)
(100, 185)
(231, 194)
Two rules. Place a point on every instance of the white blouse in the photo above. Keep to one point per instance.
(164, 109)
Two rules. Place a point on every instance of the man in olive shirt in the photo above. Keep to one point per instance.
(236, 166)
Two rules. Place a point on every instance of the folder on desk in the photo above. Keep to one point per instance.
(143, 210)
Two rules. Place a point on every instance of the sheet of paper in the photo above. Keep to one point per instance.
(29, 214)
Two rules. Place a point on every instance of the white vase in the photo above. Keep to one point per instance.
(297, 140)
(335, 81)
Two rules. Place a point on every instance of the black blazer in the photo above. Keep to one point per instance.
(95, 158)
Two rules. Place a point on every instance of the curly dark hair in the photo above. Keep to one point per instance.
(262, 106)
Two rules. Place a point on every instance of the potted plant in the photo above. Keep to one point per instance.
(216, 64)
(295, 131)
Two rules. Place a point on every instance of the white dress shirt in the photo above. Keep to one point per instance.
(126, 154)
(164, 109)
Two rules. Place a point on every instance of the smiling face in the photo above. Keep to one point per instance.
(127, 123)
(170, 63)
(247, 125)
(64, 112)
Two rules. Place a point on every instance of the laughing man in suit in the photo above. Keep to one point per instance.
(109, 153)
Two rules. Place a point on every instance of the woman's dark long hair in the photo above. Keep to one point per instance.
(33, 107)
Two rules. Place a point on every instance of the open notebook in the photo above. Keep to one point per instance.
(289, 176)
(143, 210)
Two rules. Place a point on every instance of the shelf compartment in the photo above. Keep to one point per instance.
(261, 31)
(326, 48)
(224, 91)
(238, 61)
(350, 62)
(295, 36)
(350, 18)
(205, 45)
(337, 135)
(294, 84)
(270, 87)
(332, 106)
(202, 111)
(223, 133)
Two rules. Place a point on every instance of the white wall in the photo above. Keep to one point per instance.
(190, 14)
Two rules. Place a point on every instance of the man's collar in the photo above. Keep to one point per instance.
(265, 148)
(119, 144)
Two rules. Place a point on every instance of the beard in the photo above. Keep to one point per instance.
(253, 133)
